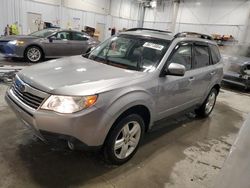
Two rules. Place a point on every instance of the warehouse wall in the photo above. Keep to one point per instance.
(73, 14)
(98, 6)
(160, 17)
(124, 14)
(206, 16)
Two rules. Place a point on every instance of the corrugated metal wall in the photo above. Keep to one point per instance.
(210, 16)
(206, 16)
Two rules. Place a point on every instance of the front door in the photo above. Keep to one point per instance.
(176, 92)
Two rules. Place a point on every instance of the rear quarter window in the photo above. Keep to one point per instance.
(215, 53)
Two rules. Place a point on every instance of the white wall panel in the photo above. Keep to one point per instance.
(98, 6)
(207, 16)
(49, 12)
(10, 12)
(54, 2)
(127, 9)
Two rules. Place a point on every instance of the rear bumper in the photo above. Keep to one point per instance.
(84, 129)
(237, 79)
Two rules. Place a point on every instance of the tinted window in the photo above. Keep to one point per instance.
(79, 36)
(63, 35)
(201, 56)
(182, 56)
(215, 54)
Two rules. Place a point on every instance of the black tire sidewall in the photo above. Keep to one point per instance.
(26, 54)
(202, 110)
(110, 141)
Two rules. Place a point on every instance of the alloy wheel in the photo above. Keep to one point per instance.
(210, 102)
(127, 139)
(34, 54)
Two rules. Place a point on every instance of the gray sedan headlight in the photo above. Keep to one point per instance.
(16, 42)
(68, 104)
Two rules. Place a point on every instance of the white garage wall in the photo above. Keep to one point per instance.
(222, 17)
(49, 12)
(53, 2)
(160, 17)
(9, 13)
(98, 6)
(206, 16)
(124, 14)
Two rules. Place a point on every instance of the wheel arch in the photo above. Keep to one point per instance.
(217, 87)
(139, 109)
(36, 45)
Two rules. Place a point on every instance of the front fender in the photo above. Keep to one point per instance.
(114, 103)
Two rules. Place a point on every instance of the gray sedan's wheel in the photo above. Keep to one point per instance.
(208, 106)
(124, 139)
(33, 54)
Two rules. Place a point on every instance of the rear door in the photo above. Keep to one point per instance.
(176, 92)
(60, 45)
(79, 43)
(203, 69)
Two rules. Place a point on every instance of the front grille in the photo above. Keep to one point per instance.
(27, 98)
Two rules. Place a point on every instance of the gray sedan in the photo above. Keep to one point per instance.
(48, 43)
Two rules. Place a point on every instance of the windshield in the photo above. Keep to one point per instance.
(43, 33)
(131, 52)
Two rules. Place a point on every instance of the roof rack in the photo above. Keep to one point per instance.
(147, 29)
(193, 34)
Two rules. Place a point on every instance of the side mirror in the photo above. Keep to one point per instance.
(175, 69)
(52, 38)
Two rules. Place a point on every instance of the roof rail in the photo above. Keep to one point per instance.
(147, 29)
(198, 35)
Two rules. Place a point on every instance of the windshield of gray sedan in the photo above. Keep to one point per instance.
(131, 52)
(43, 33)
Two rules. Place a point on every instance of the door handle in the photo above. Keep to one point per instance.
(191, 79)
(212, 73)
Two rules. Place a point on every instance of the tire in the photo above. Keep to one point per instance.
(208, 106)
(127, 145)
(33, 54)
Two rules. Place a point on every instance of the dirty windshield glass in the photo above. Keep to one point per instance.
(131, 52)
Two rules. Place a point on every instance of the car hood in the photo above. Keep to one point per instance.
(17, 37)
(76, 75)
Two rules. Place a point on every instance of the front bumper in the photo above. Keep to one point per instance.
(9, 51)
(84, 127)
(237, 79)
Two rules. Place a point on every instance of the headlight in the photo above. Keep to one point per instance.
(16, 42)
(67, 104)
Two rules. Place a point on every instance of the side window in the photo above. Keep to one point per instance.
(63, 35)
(79, 36)
(201, 56)
(183, 56)
(215, 54)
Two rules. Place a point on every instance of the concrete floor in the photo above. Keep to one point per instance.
(184, 152)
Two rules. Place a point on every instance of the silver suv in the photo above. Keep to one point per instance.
(111, 98)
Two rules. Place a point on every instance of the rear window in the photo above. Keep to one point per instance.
(201, 56)
(215, 54)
